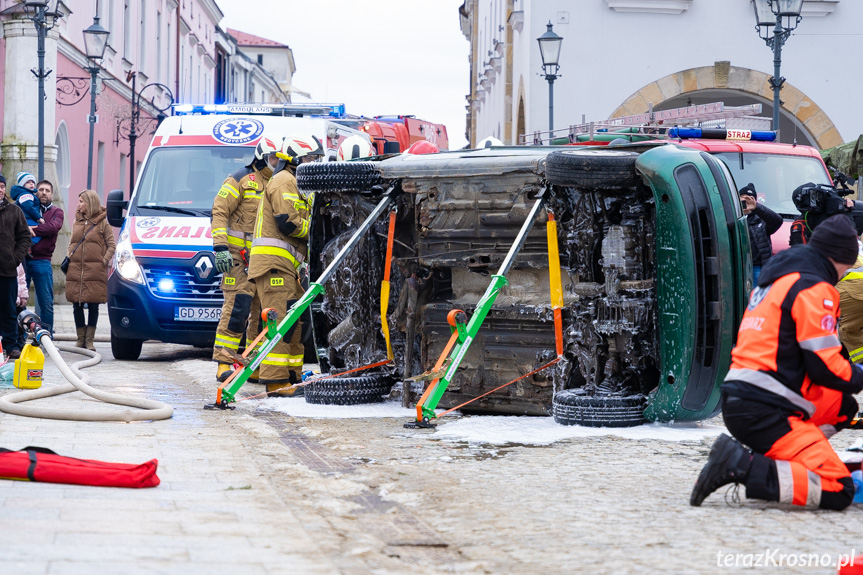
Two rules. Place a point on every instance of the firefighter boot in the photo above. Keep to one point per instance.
(89, 336)
(82, 336)
(224, 371)
(729, 462)
(286, 389)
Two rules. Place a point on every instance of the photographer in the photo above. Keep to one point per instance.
(816, 203)
(763, 223)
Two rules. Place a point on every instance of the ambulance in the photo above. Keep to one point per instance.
(163, 284)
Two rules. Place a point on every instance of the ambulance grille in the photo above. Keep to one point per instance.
(180, 283)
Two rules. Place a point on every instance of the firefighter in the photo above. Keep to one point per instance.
(850, 289)
(233, 222)
(789, 387)
(278, 251)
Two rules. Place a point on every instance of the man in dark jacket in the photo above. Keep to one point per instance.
(763, 223)
(790, 387)
(38, 263)
(14, 245)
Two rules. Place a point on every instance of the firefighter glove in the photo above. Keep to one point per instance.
(224, 261)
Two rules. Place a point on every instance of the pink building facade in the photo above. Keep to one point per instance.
(171, 47)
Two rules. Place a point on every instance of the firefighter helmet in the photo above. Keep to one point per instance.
(267, 145)
(422, 147)
(354, 147)
(489, 142)
(296, 146)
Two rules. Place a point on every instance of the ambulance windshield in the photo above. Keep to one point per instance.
(775, 176)
(185, 180)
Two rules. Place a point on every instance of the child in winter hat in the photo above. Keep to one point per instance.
(22, 194)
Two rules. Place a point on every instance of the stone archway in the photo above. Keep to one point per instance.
(796, 106)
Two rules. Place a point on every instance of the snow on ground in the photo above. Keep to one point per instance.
(297, 407)
(544, 431)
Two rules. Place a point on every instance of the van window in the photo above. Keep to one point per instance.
(775, 176)
(188, 178)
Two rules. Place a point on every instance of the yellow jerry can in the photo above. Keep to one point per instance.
(28, 368)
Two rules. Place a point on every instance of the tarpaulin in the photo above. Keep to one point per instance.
(43, 465)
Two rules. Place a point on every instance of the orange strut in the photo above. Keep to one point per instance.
(449, 345)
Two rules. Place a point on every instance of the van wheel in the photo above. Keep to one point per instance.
(573, 407)
(349, 390)
(338, 177)
(592, 169)
(124, 348)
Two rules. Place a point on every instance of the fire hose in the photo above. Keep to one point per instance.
(147, 410)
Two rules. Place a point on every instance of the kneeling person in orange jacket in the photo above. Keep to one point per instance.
(789, 387)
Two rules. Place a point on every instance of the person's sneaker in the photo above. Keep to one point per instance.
(728, 462)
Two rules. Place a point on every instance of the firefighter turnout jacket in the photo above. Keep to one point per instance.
(787, 348)
(281, 227)
(235, 208)
(850, 289)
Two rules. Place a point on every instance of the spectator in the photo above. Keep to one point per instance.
(87, 277)
(14, 245)
(763, 223)
(22, 194)
(38, 262)
(21, 303)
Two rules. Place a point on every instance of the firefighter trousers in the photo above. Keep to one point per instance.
(241, 308)
(280, 290)
(793, 462)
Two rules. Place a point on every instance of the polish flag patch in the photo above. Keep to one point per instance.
(252, 177)
(828, 304)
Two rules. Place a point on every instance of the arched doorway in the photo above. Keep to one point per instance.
(64, 163)
(800, 117)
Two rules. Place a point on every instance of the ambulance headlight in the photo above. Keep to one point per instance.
(124, 261)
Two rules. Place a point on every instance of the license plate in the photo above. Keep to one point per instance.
(197, 313)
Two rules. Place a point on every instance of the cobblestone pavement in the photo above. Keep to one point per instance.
(258, 491)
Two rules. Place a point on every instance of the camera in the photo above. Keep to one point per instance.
(817, 202)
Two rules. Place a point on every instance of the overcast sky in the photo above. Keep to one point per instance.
(381, 57)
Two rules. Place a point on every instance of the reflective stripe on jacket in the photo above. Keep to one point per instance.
(850, 289)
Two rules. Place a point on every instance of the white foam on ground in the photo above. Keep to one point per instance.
(501, 430)
(297, 407)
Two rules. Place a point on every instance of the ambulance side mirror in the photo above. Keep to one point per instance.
(115, 206)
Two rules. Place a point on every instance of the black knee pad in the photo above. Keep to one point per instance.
(838, 500)
(240, 313)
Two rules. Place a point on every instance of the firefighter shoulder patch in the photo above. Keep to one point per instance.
(277, 281)
(229, 281)
(223, 193)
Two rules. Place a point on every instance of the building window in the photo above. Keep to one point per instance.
(100, 170)
(261, 59)
(127, 30)
(64, 163)
(168, 54)
(121, 181)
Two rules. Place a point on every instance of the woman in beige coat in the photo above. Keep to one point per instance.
(87, 277)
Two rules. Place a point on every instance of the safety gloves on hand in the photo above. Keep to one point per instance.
(224, 261)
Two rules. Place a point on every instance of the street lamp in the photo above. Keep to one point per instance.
(44, 19)
(135, 118)
(783, 16)
(95, 41)
(549, 50)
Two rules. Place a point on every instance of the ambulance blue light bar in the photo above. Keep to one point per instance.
(332, 110)
(720, 134)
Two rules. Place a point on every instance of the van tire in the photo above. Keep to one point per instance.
(338, 177)
(349, 390)
(124, 348)
(572, 407)
(592, 169)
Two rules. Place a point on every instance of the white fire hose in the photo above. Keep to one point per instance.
(147, 410)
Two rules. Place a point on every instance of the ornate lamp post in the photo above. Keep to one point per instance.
(782, 16)
(135, 118)
(44, 19)
(95, 41)
(549, 50)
